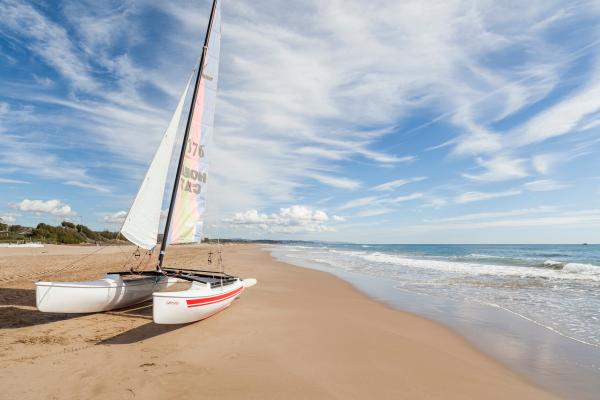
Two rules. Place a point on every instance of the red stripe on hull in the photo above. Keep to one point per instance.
(213, 299)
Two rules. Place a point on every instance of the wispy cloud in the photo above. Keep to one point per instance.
(338, 182)
(495, 215)
(544, 185)
(371, 206)
(544, 163)
(91, 186)
(298, 111)
(500, 168)
(470, 197)
(373, 212)
(359, 202)
(392, 185)
(589, 217)
(14, 181)
(564, 117)
(47, 40)
(401, 199)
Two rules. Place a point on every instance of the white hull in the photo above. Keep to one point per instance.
(199, 302)
(110, 293)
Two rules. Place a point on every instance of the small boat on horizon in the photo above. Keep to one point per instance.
(210, 291)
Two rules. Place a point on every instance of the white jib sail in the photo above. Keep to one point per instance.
(143, 219)
(190, 201)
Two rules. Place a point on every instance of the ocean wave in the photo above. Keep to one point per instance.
(552, 270)
(549, 269)
(553, 264)
(348, 252)
(579, 267)
(480, 256)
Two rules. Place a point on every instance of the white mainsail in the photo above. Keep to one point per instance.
(143, 219)
(190, 201)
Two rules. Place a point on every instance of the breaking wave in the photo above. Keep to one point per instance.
(550, 269)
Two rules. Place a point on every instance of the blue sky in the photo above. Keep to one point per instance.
(379, 121)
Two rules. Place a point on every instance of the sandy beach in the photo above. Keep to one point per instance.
(297, 334)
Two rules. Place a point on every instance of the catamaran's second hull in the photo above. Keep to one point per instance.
(110, 293)
(199, 302)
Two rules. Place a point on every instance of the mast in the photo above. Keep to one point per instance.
(163, 245)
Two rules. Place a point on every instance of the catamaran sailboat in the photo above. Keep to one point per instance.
(210, 292)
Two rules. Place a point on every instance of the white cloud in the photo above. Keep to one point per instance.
(544, 185)
(373, 212)
(338, 182)
(330, 154)
(92, 186)
(15, 181)
(9, 218)
(569, 218)
(401, 199)
(386, 158)
(494, 215)
(52, 207)
(500, 168)
(339, 218)
(469, 197)
(373, 205)
(43, 81)
(48, 40)
(562, 118)
(116, 218)
(544, 163)
(294, 219)
(511, 219)
(274, 130)
(392, 185)
(362, 201)
(435, 202)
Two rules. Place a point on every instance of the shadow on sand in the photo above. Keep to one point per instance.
(17, 297)
(16, 317)
(12, 315)
(140, 310)
(140, 333)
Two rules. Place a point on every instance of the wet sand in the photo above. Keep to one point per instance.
(297, 334)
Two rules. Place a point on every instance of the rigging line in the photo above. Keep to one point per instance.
(129, 256)
(52, 272)
(570, 57)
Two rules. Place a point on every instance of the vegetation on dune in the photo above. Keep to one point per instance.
(66, 233)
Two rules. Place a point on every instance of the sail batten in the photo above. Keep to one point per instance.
(143, 219)
(190, 199)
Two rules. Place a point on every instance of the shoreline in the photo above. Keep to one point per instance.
(298, 333)
(548, 358)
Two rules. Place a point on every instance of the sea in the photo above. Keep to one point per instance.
(535, 308)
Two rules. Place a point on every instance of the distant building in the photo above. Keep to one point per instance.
(3, 229)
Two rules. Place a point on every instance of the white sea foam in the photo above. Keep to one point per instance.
(553, 264)
(558, 295)
(570, 271)
(477, 255)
